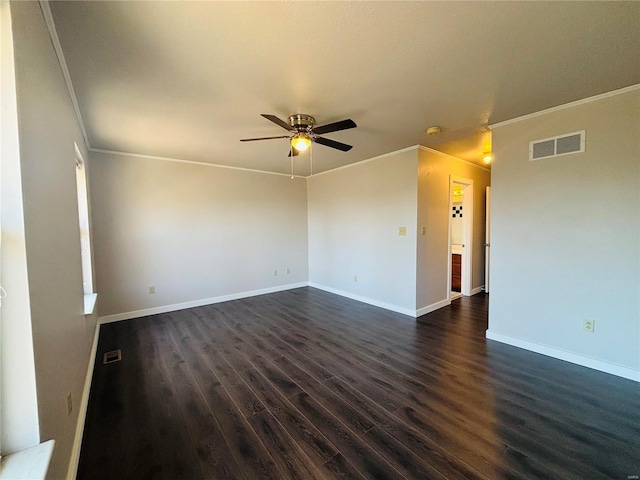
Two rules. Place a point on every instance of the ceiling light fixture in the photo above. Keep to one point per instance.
(487, 157)
(300, 142)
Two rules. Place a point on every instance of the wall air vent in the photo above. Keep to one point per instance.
(112, 356)
(557, 146)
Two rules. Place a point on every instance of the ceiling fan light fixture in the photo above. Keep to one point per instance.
(300, 142)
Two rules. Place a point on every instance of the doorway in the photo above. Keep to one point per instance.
(460, 236)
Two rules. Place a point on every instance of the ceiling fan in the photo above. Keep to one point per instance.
(302, 132)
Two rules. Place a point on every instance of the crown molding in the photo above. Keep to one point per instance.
(451, 157)
(53, 33)
(355, 164)
(567, 105)
(190, 162)
(403, 150)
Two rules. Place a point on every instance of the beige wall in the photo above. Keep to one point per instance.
(432, 264)
(48, 129)
(194, 232)
(566, 236)
(354, 216)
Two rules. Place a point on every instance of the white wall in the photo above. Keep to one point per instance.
(433, 261)
(48, 129)
(354, 216)
(19, 419)
(565, 237)
(195, 232)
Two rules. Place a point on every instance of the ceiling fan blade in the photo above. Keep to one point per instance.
(333, 144)
(263, 138)
(295, 152)
(334, 127)
(277, 121)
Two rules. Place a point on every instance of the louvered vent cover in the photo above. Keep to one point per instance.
(556, 146)
(112, 356)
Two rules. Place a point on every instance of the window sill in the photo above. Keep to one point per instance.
(90, 303)
(30, 463)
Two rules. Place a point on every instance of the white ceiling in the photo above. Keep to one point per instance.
(187, 80)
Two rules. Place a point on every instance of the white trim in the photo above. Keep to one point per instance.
(467, 220)
(90, 303)
(477, 290)
(613, 369)
(82, 412)
(197, 303)
(433, 307)
(487, 240)
(30, 463)
(451, 157)
(370, 301)
(78, 153)
(48, 18)
(402, 150)
(192, 162)
(567, 105)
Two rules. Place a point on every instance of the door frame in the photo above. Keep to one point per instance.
(487, 244)
(467, 235)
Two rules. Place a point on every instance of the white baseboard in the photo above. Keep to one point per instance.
(477, 290)
(197, 303)
(370, 301)
(613, 369)
(82, 411)
(433, 307)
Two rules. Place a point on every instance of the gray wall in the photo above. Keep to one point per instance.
(195, 232)
(48, 129)
(565, 235)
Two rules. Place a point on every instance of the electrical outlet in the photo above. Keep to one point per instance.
(152, 289)
(402, 230)
(275, 273)
(589, 325)
(355, 278)
(69, 404)
(424, 230)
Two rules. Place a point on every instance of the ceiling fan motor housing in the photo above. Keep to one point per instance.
(301, 122)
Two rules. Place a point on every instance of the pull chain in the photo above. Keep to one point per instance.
(311, 158)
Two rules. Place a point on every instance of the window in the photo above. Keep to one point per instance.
(85, 235)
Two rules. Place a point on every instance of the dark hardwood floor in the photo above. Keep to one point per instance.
(305, 384)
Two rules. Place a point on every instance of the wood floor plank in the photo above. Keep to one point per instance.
(339, 468)
(465, 472)
(216, 458)
(308, 437)
(414, 392)
(283, 447)
(287, 454)
(245, 447)
(304, 384)
(356, 450)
